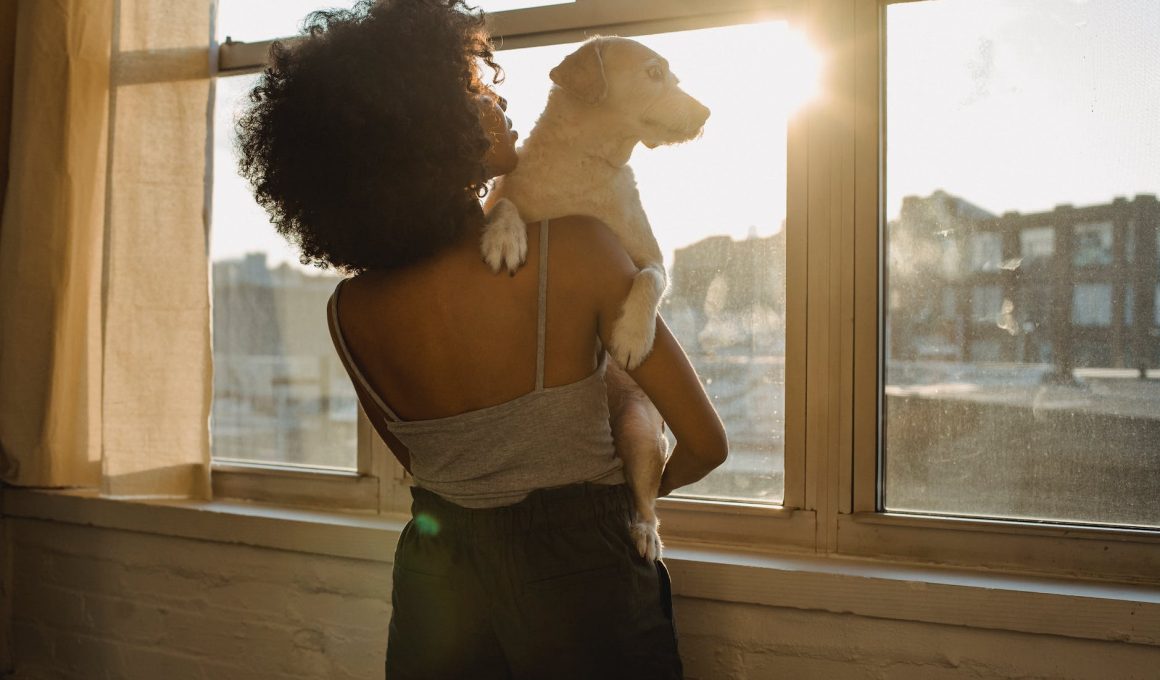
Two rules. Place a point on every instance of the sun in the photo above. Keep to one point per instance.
(803, 65)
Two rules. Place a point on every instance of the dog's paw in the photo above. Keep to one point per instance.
(631, 341)
(504, 244)
(647, 539)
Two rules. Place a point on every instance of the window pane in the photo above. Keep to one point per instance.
(1038, 244)
(255, 20)
(986, 251)
(280, 393)
(1092, 304)
(1092, 246)
(1022, 133)
(717, 206)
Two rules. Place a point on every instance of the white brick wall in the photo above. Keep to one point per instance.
(725, 641)
(93, 603)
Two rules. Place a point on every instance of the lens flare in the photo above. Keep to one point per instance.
(426, 524)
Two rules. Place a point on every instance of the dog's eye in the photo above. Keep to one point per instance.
(655, 72)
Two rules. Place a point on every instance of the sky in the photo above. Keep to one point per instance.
(1023, 104)
(1010, 104)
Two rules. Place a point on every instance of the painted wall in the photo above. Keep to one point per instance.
(92, 603)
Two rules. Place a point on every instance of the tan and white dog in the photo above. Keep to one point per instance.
(608, 96)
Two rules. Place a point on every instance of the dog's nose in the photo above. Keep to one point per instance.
(702, 112)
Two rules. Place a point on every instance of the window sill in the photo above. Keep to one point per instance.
(840, 585)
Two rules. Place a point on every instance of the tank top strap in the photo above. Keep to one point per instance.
(348, 358)
(542, 315)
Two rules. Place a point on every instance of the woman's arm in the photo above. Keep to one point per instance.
(670, 381)
(666, 375)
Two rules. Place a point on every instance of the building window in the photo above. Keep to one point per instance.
(986, 304)
(1129, 305)
(986, 251)
(1037, 244)
(1092, 304)
(1092, 246)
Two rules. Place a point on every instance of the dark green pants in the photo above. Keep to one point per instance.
(550, 587)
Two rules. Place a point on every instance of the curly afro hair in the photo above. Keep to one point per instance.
(363, 139)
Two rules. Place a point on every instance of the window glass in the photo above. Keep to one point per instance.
(986, 303)
(717, 207)
(255, 20)
(1037, 243)
(1025, 132)
(280, 392)
(1130, 242)
(1092, 245)
(1092, 304)
(986, 251)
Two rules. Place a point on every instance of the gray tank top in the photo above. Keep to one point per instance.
(494, 456)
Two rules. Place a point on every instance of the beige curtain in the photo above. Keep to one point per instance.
(105, 374)
(7, 47)
(50, 244)
(158, 370)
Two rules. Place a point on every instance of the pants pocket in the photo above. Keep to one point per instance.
(666, 589)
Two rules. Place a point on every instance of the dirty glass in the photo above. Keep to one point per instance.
(1022, 380)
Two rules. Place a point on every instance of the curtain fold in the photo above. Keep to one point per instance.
(158, 379)
(7, 49)
(51, 238)
(105, 362)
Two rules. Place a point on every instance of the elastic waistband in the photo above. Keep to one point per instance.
(543, 508)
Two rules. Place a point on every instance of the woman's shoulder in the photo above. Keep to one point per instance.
(586, 246)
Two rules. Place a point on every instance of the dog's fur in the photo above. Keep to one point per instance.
(609, 95)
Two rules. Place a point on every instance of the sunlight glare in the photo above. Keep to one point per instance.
(802, 64)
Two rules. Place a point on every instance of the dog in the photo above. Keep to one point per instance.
(609, 95)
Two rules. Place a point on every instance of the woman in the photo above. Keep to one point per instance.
(370, 143)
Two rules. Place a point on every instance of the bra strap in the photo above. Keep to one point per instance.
(348, 359)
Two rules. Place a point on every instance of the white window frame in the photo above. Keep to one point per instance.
(834, 223)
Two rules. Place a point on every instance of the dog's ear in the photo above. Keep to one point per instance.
(582, 73)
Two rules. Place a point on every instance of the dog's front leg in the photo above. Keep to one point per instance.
(504, 243)
(634, 332)
(638, 433)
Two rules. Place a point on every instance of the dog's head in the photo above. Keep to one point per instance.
(624, 77)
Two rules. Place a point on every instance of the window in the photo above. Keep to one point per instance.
(280, 393)
(986, 304)
(955, 201)
(1012, 429)
(250, 20)
(718, 206)
(1093, 245)
(1092, 305)
(1037, 243)
(986, 251)
(723, 241)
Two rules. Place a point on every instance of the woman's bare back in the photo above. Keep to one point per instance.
(446, 335)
